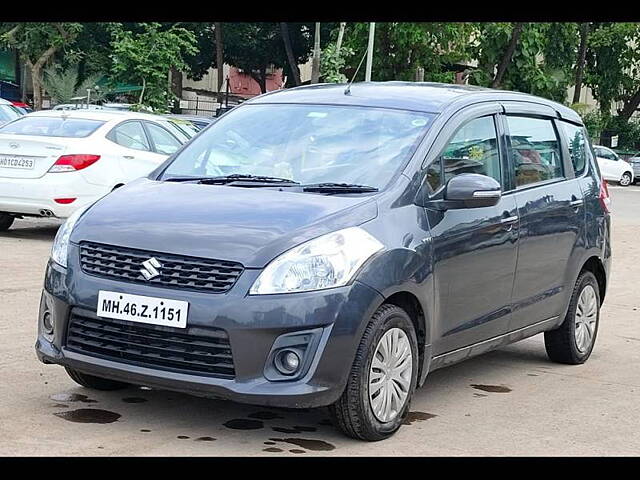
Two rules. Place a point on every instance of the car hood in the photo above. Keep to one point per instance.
(246, 225)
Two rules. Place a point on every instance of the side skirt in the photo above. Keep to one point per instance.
(455, 356)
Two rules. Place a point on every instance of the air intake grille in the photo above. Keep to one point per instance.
(176, 271)
(207, 354)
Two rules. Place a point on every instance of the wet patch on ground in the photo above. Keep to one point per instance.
(145, 430)
(71, 397)
(307, 443)
(89, 415)
(491, 388)
(60, 405)
(295, 450)
(272, 449)
(295, 429)
(244, 424)
(205, 439)
(480, 395)
(417, 417)
(533, 375)
(134, 400)
(183, 437)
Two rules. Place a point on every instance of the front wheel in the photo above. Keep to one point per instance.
(625, 181)
(382, 379)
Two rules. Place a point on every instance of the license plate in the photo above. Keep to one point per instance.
(17, 162)
(139, 308)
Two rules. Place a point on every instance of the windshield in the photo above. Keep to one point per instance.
(305, 143)
(8, 113)
(52, 127)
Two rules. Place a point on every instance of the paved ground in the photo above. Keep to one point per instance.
(539, 408)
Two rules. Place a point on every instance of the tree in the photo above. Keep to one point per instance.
(36, 44)
(147, 58)
(254, 47)
(63, 84)
(582, 55)
(219, 59)
(508, 54)
(401, 47)
(284, 31)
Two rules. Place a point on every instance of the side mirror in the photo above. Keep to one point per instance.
(471, 190)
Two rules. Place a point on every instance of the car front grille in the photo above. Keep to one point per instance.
(207, 354)
(176, 271)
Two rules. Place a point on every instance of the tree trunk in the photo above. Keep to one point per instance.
(261, 79)
(582, 53)
(293, 66)
(36, 82)
(630, 106)
(340, 36)
(176, 82)
(506, 58)
(219, 59)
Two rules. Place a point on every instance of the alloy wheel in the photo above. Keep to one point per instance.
(586, 318)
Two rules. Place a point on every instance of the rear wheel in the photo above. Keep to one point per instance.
(382, 379)
(573, 341)
(96, 383)
(6, 221)
(625, 181)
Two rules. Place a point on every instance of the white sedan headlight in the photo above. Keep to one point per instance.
(60, 247)
(324, 262)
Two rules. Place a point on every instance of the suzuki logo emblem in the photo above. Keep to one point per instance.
(150, 268)
(14, 145)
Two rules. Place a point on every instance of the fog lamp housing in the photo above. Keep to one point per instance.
(287, 361)
(292, 354)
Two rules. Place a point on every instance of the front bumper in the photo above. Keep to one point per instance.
(252, 323)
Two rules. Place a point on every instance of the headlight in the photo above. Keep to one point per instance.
(61, 242)
(324, 262)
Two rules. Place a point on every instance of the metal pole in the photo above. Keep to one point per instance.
(372, 31)
(315, 65)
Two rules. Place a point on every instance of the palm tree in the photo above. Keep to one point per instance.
(62, 85)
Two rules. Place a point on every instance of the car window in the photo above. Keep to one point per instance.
(8, 113)
(164, 142)
(52, 127)
(534, 149)
(473, 149)
(604, 153)
(578, 145)
(130, 135)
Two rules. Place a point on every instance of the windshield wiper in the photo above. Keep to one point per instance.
(338, 188)
(233, 178)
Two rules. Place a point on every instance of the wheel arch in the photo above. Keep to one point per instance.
(595, 266)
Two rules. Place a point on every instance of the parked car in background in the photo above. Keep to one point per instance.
(614, 168)
(53, 162)
(23, 107)
(312, 248)
(634, 161)
(198, 121)
(8, 111)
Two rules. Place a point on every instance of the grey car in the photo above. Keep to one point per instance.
(330, 247)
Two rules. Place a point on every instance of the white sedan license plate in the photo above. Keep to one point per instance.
(139, 308)
(23, 163)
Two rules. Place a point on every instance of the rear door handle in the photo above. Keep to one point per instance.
(576, 203)
(129, 157)
(508, 222)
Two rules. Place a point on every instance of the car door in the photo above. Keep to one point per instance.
(474, 250)
(551, 213)
(133, 149)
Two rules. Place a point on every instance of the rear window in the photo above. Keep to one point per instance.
(52, 127)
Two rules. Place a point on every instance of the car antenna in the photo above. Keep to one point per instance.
(347, 90)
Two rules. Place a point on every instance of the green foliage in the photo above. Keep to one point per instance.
(63, 84)
(332, 62)
(542, 63)
(613, 58)
(34, 39)
(147, 58)
(401, 47)
(593, 120)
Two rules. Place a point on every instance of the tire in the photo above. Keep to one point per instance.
(353, 413)
(95, 383)
(562, 344)
(6, 221)
(625, 181)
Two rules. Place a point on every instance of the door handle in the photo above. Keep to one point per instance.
(508, 222)
(129, 157)
(576, 203)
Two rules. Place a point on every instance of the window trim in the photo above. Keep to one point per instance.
(111, 135)
(512, 169)
(565, 141)
(145, 124)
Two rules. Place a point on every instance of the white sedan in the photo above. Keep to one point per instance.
(53, 162)
(612, 167)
